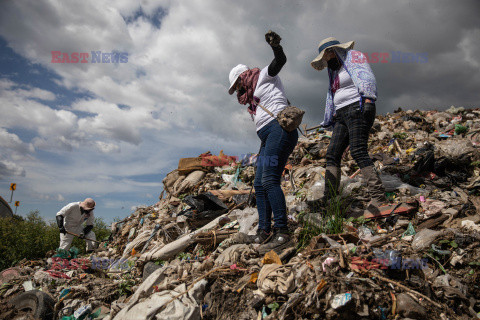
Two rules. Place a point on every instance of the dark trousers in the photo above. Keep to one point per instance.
(276, 146)
(352, 126)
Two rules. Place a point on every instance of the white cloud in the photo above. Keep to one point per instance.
(170, 99)
(53, 197)
(13, 143)
(105, 147)
(470, 46)
(10, 169)
(36, 93)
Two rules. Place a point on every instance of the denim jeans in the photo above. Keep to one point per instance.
(276, 146)
(352, 126)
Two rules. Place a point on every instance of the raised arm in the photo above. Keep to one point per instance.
(279, 59)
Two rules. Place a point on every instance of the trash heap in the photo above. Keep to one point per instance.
(184, 258)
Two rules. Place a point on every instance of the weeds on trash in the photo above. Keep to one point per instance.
(125, 287)
(307, 232)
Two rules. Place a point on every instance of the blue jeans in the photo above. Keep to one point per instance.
(276, 146)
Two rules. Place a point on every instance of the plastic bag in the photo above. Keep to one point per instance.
(340, 300)
(347, 185)
(72, 253)
(392, 183)
(424, 238)
(457, 151)
(315, 192)
(246, 219)
(207, 207)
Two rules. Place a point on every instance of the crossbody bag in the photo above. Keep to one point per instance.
(289, 118)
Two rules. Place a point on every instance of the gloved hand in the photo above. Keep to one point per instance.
(61, 227)
(272, 38)
(87, 230)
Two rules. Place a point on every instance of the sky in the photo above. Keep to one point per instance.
(113, 130)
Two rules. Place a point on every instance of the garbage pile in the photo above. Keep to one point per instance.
(184, 258)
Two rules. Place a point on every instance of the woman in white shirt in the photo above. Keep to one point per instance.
(255, 86)
(350, 109)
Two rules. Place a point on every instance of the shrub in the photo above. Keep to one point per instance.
(31, 238)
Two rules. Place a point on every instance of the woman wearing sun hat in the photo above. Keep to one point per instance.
(264, 87)
(350, 109)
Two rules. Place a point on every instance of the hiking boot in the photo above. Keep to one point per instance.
(281, 239)
(374, 185)
(379, 204)
(259, 238)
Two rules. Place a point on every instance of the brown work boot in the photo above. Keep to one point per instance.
(378, 202)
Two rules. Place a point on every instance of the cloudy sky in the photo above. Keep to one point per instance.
(112, 131)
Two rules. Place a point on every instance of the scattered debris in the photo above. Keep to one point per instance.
(185, 256)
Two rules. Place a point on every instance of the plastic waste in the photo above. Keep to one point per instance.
(71, 253)
(455, 110)
(439, 251)
(28, 285)
(392, 183)
(82, 312)
(424, 238)
(246, 219)
(314, 219)
(409, 308)
(206, 207)
(389, 258)
(340, 300)
(347, 185)
(365, 233)
(330, 241)
(315, 192)
(228, 178)
(64, 292)
(456, 150)
(470, 225)
(328, 262)
(410, 231)
(459, 129)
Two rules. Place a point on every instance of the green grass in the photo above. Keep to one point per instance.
(400, 135)
(307, 232)
(330, 220)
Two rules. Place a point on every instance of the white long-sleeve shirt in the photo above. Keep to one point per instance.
(73, 217)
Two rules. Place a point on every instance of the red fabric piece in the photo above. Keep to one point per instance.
(249, 80)
(57, 274)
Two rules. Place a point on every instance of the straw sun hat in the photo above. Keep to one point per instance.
(319, 62)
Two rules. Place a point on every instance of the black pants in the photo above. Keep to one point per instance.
(352, 126)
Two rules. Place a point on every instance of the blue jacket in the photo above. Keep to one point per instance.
(362, 76)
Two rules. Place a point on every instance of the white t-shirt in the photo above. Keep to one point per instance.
(347, 93)
(271, 93)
